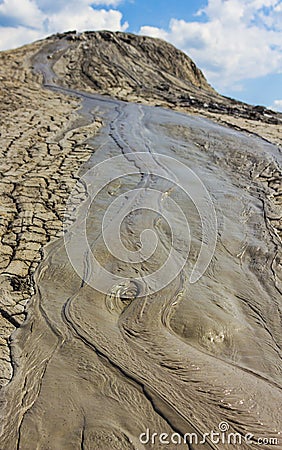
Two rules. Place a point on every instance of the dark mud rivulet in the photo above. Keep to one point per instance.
(123, 346)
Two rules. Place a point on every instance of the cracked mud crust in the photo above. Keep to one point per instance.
(42, 147)
(44, 142)
(39, 161)
(94, 370)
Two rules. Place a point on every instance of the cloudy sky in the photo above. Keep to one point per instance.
(237, 43)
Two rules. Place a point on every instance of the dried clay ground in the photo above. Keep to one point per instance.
(46, 138)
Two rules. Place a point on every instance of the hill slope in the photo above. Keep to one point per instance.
(94, 368)
(43, 142)
(141, 68)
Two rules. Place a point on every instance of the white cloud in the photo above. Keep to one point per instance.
(155, 32)
(25, 12)
(12, 37)
(86, 19)
(106, 2)
(276, 106)
(29, 20)
(233, 43)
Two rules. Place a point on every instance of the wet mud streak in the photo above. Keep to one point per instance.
(95, 370)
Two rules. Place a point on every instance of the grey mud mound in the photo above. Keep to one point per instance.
(140, 68)
(97, 369)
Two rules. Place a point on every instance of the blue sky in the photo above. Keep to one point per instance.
(236, 43)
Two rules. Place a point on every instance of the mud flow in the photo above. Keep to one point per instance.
(157, 316)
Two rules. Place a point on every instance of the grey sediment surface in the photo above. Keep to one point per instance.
(94, 370)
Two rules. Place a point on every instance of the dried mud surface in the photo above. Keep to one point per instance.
(92, 370)
(42, 146)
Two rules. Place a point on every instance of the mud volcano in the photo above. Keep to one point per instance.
(141, 252)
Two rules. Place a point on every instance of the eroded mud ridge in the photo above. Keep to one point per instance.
(142, 68)
(94, 370)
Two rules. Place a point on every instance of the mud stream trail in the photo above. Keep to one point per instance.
(94, 370)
